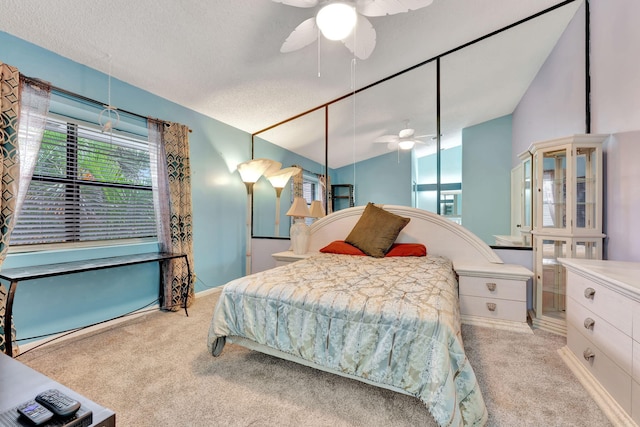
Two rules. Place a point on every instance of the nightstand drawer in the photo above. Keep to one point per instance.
(514, 290)
(601, 333)
(601, 301)
(610, 375)
(493, 308)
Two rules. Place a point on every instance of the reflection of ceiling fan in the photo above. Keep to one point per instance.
(406, 139)
(349, 14)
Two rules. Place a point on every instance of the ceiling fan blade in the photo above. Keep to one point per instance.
(362, 40)
(385, 139)
(431, 135)
(406, 133)
(298, 3)
(304, 34)
(389, 7)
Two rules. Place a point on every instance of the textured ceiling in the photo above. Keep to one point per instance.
(222, 57)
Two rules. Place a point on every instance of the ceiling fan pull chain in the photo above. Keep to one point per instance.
(319, 39)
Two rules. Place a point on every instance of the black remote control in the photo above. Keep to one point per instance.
(58, 402)
(35, 412)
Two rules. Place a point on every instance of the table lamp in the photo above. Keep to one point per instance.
(299, 229)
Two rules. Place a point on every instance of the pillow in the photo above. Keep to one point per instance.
(376, 231)
(397, 249)
(341, 247)
(407, 249)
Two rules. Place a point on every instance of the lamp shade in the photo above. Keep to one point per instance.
(251, 170)
(280, 178)
(299, 208)
(317, 211)
(336, 20)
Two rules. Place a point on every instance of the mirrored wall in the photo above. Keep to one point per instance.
(456, 110)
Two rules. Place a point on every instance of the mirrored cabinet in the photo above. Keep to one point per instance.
(567, 218)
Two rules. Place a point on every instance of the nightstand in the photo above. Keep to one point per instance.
(494, 295)
(287, 257)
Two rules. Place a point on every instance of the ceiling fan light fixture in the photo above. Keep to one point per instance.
(406, 145)
(336, 20)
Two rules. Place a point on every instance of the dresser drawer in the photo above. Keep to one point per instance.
(612, 341)
(610, 375)
(515, 290)
(493, 308)
(605, 303)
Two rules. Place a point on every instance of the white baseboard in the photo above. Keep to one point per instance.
(91, 329)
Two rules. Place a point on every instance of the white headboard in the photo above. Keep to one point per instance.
(441, 236)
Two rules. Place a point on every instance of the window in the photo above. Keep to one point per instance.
(88, 186)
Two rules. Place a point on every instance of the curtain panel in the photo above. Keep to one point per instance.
(169, 151)
(9, 116)
(24, 105)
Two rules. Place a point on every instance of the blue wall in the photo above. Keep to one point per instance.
(384, 179)
(486, 178)
(218, 195)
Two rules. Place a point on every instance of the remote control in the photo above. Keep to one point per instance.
(35, 412)
(58, 403)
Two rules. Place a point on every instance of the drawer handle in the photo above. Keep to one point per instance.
(491, 286)
(589, 323)
(491, 306)
(588, 354)
(589, 293)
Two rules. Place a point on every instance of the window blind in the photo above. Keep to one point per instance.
(87, 186)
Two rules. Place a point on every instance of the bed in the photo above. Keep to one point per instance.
(389, 321)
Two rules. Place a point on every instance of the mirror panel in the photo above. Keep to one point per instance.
(364, 130)
(481, 86)
(299, 142)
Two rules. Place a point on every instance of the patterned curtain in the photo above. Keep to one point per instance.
(169, 153)
(9, 115)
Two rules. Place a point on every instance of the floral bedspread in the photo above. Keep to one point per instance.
(393, 321)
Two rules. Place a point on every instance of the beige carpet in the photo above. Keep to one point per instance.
(155, 371)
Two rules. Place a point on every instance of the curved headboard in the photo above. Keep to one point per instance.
(441, 236)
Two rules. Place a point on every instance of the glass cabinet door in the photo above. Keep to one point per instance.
(554, 189)
(586, 188)
(551, 277)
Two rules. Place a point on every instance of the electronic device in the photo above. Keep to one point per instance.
(58, 403)
(35, 412)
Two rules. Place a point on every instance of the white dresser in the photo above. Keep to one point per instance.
(494, 294)
(603, 333)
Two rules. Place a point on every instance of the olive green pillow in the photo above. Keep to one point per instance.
(376, 231)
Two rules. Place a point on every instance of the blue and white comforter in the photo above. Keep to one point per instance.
(392, 321)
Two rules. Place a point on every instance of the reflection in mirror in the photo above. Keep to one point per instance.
(374, 134)
(469, 179)
(481, 86)
(304, 140)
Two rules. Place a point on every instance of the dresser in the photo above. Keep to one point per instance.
(603, 333)
(493, 294)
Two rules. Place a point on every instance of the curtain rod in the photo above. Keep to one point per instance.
(89, 100)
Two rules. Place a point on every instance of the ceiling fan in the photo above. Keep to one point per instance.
(406, 139)
(348, 14)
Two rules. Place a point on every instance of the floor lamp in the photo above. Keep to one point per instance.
(250, 172)
(279, 180)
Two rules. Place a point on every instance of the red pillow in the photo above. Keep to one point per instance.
(397, 249)
(407, 249)
(341, 247)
